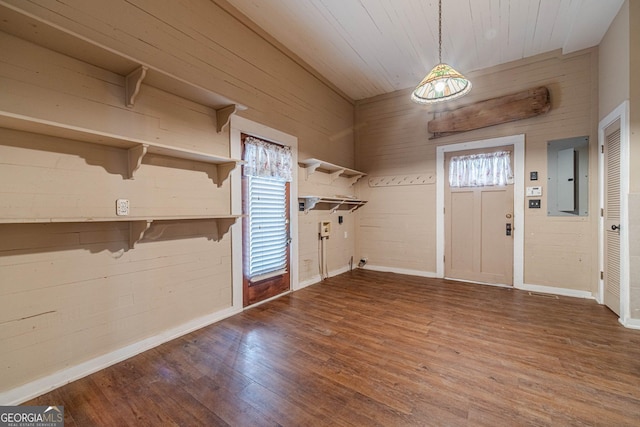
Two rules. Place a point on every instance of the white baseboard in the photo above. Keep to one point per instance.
(526, 287)
(631, 323)
(308, 282)
(317, 279)
(406, 271)
(557, 291)
(339, 271)
(43, 385)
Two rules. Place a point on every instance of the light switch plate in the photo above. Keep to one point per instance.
(122, 207)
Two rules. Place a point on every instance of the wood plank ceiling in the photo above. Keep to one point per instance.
(370, 47)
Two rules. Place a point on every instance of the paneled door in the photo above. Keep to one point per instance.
(479, 228)
(266, 232)
(611, 214)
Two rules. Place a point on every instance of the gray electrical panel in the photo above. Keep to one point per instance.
(568, 177)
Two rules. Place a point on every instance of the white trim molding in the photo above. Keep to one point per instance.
(406, 271)
(317, 278)
(556, 291)
(621, 112)
(43, 385)
(631, 323)
(518, 142)
(241, 125)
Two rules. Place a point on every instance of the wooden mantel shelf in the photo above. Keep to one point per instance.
(335, 171)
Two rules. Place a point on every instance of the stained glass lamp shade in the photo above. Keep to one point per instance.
(443, 83)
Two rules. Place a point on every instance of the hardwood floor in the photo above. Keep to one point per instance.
(368, 348)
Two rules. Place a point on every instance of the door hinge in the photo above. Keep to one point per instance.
(602, 275)
(601, 211)
(602, 149)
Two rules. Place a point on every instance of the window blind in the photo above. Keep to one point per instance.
(267, 232)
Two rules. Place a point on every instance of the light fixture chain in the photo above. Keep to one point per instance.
(439, 31)
(443, 83)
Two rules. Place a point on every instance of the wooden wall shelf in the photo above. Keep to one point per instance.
(135, 76)
(137, 226)
(331, 203)
(134, 72)
(137, 148)
(335, 171)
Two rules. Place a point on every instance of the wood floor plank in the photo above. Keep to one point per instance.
(380, 349)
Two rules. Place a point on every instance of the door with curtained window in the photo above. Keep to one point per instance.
(266, 181)
(479, 216)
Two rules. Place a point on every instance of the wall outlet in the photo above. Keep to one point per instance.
(122, 207)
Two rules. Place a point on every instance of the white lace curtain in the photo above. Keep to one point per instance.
(479, 170)
(267, 160)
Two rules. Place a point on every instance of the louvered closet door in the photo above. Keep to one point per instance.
(612, 218)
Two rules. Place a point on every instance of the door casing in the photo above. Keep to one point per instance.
(518, 199)
(621, 112)
(238, 126)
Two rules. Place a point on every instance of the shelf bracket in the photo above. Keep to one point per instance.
(219, 172)
(310, 203)
(137, 230)
(223, 226)
(223, 116)
(336, 207)
(135, 155)
(132, 83)
(311, 168)
(356, 207)
(355, 178)
(335, 175)
(224, 170)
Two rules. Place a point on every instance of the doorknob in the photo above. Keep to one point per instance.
(615, 227)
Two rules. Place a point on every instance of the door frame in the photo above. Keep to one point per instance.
(238, 126)
(621, 112)
(518, 199)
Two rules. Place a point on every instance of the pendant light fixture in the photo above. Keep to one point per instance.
(443, 83)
